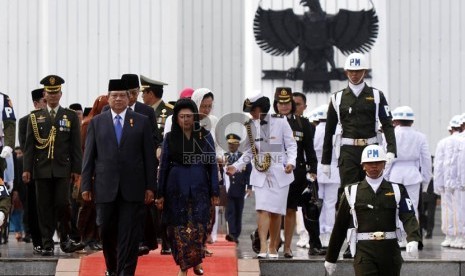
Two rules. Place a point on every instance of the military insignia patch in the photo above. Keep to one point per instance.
(52, 80)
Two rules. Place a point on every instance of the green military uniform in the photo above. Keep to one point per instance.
(9, 128)
(162, 111)
(52, 152)
(375, 212)
(358, 121)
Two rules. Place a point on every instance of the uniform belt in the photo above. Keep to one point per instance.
(359, 142)
(376, 236)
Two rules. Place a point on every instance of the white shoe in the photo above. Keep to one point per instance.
(456, 243)
(446, 242)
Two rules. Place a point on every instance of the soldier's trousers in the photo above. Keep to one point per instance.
(377, 258)
(53, 208)
(350, 169)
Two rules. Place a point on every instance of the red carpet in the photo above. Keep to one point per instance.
(223, 262)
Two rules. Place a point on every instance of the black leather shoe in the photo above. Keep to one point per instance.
(255, 243)
(27, 238)
(317, 252)
(70, 246)
(110, 273)
(143, 250)
(47, 252)
(231, 238)
(165, 251)
(198, 270)
(37, 250)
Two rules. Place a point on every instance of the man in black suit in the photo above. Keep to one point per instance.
(119, 153)
(52, 153)
(30, 211)
(149, 223)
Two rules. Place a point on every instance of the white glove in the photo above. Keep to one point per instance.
(6, 152)
(2, 218)
(326, 170)
(330, 268)
(412, 247)
(390, 157)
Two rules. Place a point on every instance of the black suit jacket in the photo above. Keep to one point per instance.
(128, 167)
(22, 130)
(67, 152)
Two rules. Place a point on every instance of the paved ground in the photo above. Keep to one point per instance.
(68, 264)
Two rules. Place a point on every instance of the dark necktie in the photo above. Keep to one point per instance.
(52, 114)
(118, 128)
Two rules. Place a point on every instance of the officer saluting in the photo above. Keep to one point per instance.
(53, 153)
(370, 211)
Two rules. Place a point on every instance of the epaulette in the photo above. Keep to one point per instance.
(69, 109)
(170, 106)
(277, 116)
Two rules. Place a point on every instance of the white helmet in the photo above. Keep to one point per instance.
(455, 121)
(373, 153)
(322, 112)
(355, 61)
(462, 118)
(403, 113)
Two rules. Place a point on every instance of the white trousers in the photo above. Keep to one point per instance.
(448, 226)
(328, 192)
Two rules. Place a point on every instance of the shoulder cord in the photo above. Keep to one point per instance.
(43, 143)
(267, 158)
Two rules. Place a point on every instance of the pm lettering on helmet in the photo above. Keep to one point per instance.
(355, 62)
(373, 153)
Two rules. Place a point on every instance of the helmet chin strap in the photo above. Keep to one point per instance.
(360, 80)
(379, 175)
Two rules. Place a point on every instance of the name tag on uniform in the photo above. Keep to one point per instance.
(40, 119)
(258, 139)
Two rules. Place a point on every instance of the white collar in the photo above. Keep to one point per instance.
(357, 88)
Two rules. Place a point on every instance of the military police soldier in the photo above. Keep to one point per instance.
(236, 186)
(52, 152)
(306, 161)
(353, 116)
(370, 211)
(7, 143)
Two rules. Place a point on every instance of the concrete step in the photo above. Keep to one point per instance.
(345, 267)
(28, 266)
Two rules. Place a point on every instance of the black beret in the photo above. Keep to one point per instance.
(37, 94)
(75, 107)
(116, 85)
(52, 83)
(131, 80)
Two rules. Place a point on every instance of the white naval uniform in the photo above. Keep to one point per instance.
(460, 191)
(412, 166)
(271, 187)
(446, 181)
(327, 186)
